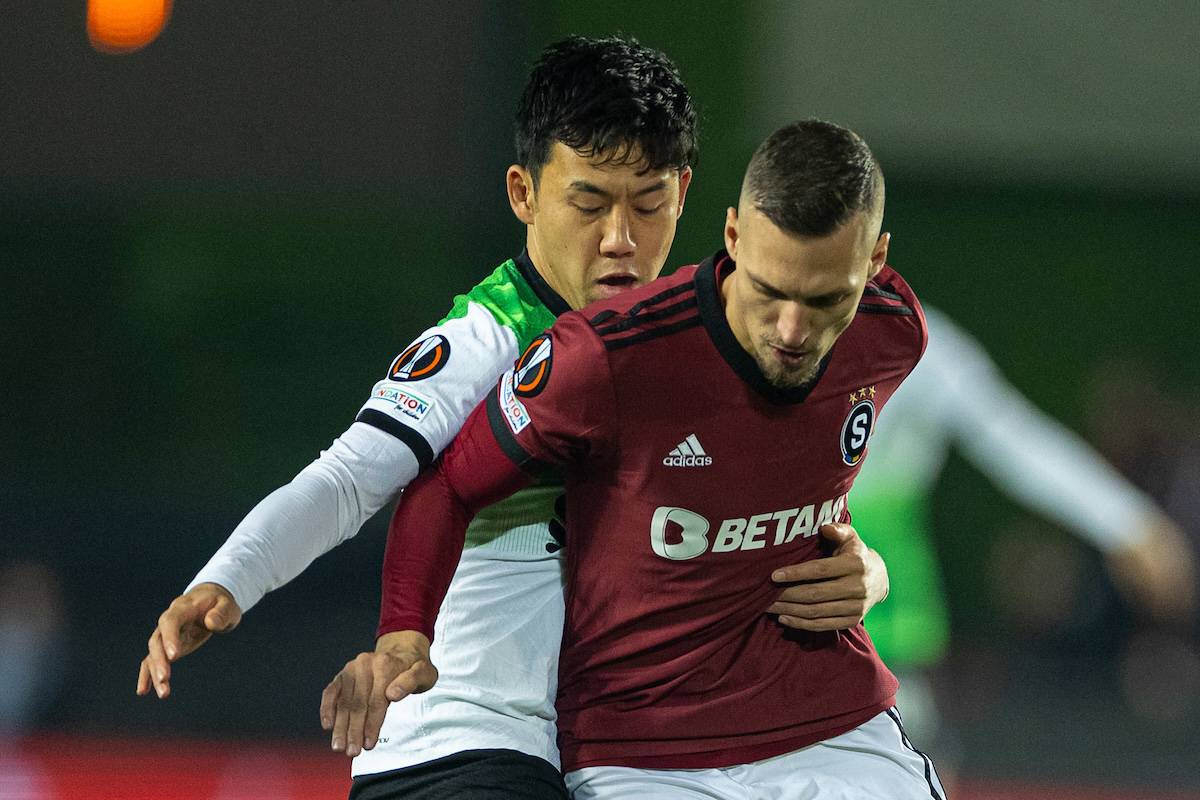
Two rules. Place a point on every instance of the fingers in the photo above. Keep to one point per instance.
(143, 682)
(341, 719)
(847, 587)
(356, 703)
(821, 569)
(840, 609)
(159, 665)
(838, 532)
(224, 616)
(377, 701)
(329, 702)
(360, 699)
(184, 612)
(420, 677)
(833, 604)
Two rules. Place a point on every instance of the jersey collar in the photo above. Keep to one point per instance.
(550, 298)
(708, 279)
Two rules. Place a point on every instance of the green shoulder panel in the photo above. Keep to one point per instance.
(518, 523)
(510, 300)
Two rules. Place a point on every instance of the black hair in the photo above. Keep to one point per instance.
(811, 176)
(610, 97)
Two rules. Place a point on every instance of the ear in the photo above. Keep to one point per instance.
(519, 183)
(685, 180)
(731, 232)
(879, 254)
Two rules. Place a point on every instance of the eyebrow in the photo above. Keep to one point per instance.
(590, 188)
(837, 294)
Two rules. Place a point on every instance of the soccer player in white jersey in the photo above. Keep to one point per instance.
(605, 142)
(958, 397)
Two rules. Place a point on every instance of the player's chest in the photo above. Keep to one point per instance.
(710, 439)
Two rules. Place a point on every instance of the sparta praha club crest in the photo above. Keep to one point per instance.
(856, 430)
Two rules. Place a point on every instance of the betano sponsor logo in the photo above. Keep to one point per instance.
(679, 534)
(688, 453)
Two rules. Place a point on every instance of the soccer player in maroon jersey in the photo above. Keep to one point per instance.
(708, 425)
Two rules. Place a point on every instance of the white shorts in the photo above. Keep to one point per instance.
(875, 760)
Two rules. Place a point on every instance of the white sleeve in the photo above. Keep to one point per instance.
(410, 417)
(1030, 456)
(323, 506)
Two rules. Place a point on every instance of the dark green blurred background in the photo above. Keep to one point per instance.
(211, 249)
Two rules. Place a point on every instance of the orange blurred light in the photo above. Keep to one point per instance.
(123, 26)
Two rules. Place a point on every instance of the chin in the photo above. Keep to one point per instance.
(604, 291)
(783, 378)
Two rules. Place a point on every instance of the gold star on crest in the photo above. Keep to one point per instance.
(862, 394)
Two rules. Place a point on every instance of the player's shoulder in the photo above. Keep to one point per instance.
(890, 312)
(512, 296)
(656, 310)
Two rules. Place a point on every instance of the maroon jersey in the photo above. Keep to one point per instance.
(690, 479)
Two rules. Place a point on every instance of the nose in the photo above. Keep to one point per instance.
(617, 241)
(792, 326)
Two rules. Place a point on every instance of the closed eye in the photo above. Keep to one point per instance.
(828, 301)
(774, 294)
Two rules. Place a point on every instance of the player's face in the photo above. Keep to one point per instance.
(596, 229)
(791, 297)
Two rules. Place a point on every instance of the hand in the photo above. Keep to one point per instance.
(832, 593)
(186, 624)
(1159, 572)
(355, 701)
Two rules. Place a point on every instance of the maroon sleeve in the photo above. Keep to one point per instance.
(428, 528)
(890, 290)
(557, 406)
(552, 408)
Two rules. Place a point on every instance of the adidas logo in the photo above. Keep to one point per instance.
(688, 453)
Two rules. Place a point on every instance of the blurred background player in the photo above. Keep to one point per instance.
(956, 397)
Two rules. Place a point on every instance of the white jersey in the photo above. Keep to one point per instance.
(956, 395)
(498, 633)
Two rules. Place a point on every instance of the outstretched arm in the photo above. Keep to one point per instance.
(403, 424)
(1048, 468)
(322, 507)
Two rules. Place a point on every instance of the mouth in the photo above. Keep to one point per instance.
(621, 280)
(616, 282)
(790, 358)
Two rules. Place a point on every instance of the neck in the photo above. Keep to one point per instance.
(538, 259)
(727, 290)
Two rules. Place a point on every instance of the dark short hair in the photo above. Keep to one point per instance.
(811, 176)
(607, 97)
